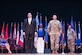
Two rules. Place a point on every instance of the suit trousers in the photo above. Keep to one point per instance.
(29, 43)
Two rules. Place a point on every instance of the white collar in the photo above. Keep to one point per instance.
(29, 18)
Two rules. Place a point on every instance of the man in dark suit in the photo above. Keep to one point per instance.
(30, 31)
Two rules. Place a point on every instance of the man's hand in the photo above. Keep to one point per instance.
(36, 34)
(23, 33)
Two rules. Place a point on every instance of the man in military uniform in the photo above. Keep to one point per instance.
(54, 31)
(71, 39)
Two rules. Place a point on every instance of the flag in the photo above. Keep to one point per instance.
(63, 41)
(76, 34)
(64, 33)
(46, 32)
(72, 22)
(18, 35)
(11, 30)
(40, 19)
(2, 32)
(14, 31)
(21, 40)
(37, 21)
(60, 40)
(79, 35)
(6, 32)
(37, 24)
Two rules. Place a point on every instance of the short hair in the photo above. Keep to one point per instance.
(29, 12)
(54, 14)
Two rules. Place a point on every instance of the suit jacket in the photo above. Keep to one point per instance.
(29, 29)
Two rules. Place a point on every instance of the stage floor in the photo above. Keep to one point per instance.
(40, 54)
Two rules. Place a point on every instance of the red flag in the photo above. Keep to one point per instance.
(2, 32)
(6, 32)
(18, 35)
(14, 32)
(21, 40)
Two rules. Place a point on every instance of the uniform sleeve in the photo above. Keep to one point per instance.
(74, 33)
(67, 33)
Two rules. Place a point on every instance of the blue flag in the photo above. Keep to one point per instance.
(11, 36)
(63, 31)
(37, 21)
(60, 40)
(46, 33)
(63, 35)
(72, 23)
(40, 19)
(78, 40)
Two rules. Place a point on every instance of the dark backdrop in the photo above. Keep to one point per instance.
(15, 11)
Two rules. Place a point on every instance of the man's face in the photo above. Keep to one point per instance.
(54, 17)
(29, 15)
